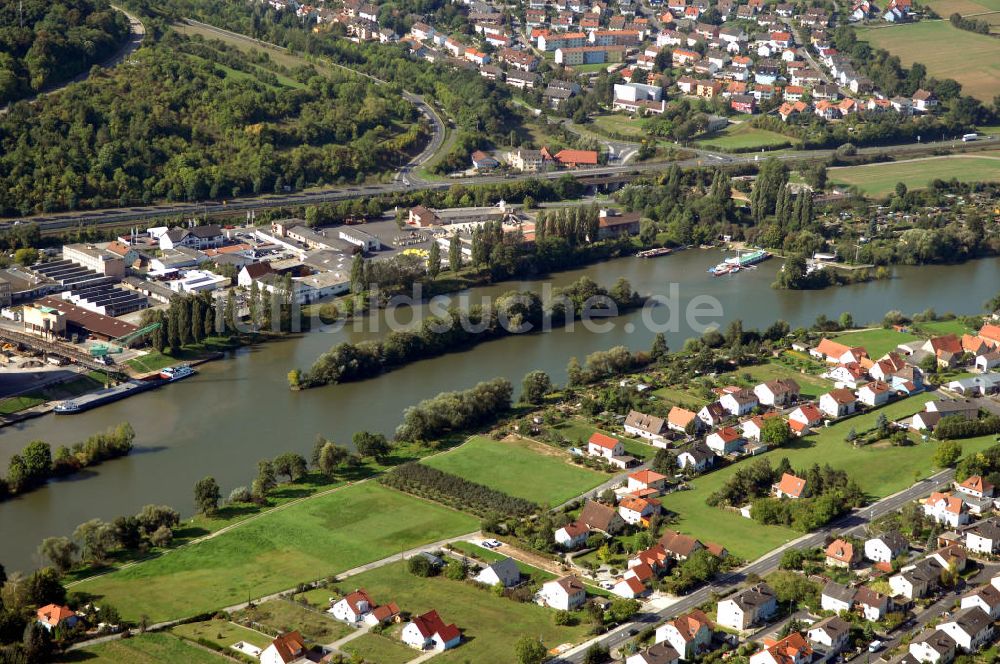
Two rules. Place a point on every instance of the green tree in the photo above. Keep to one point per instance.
(331, 457)
(266, 479)
(947, 454)
(775, 432)
(59, 551)
(371, 444)
(535, 386)
(291, 465)
(529, 650)
(26, 256)
(455, 253)
(358, 284)
(434, 260)
(658, 351)
(207, 495)
(95, 538)
(846, 320)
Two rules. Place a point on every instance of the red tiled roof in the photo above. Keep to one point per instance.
(647, 476)
(289, 646)
(791, 485)
(53, 614)
(680, 417)
(588, 157)
(599, 439)
(841, 550)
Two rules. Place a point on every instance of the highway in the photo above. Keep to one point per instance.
(406, 181)
(850, 524)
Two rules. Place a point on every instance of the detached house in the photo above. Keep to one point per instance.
(832, 632)
(792, 649)
(739, 403)
(52, 616)
(874, 394)
(749, 607)
(790, 486)
(604, 446)
(886, 547)
(353, 607)
(565, 594)
(986, 598)
(971, 628)
(841, 553)
(916, 581)
(777, 392)
(428, 631)
(504, 572)
(660, 653)
(689, 634)
(713, 414)
(649, 427)
(724, 441)
(646, 480)
(932, 646)
(678, 419)
(983, 537)
(572, 536)
(838, 403)
(284, 649)
(946, 509)
(679, 547)
(696, 458)
(976, 486)
(836, 597)
(807, 415)
(598, 516)
(637, 511)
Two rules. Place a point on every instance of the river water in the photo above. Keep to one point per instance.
(237, 411)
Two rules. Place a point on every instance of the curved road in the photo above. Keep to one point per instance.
(136, 37)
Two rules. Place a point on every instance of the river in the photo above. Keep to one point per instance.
(239, 410)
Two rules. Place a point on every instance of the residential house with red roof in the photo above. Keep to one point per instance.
(565, 594)
(838, 403)
(572, 536)
(726, 440)
(946, 509)
(52, 616)
(689, 634)
(646, 479)
(875, 393)
(793, 649)
(429, 632)
(353, 607)
(841, 553)
(284, 649)
(807, 414)
(604, 446)
(638, 511)
(574, 158)
(789, 486)
(976, 486)
(991, 333)
(679, 418)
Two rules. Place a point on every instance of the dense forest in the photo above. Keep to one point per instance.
(45, 43)
(191, 119)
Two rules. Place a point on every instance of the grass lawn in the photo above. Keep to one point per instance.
(489, 624)
(155, 360)
(380, 649)
(521, 468)
(314, 538)
(87, 382)
(971, 59)
(812, 386)
(150, 647)
(624, 125)
(282, 615)
(578, 429)
(941, 327)
(879, 470)
(881, 179)
(221, 632)
(743, 137)
(682, 398)
(877, 342)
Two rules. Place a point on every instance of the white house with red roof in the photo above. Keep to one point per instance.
(428, 632)
(642, 480)
(793, 649)
(991, 333)
(566, 593)
(52, 616)
(630, 586)
(353, 607)
(726, 440)
(841, 553)
(572, 536)
(604, 446)
(976, 486)
(655, 556)
(835, 352)
(838, 403)
(875, 393)
(946, 509)
(637, 511)
(689, 634)
(807, 414)
(789, 486)
(284, 649)
(679, 418)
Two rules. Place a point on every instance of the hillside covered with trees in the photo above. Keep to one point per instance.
(45, 43)
(191, 119)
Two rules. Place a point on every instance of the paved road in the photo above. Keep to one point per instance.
(136, 36)
(851, 524)
(119, 216)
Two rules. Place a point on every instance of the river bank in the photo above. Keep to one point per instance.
(235, 412)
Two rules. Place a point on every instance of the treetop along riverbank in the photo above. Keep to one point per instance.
(516, 312)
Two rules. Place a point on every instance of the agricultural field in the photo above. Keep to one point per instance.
(877, 341)
(489, 624)
(879, 469)
(149, 647)
(946, 8)
(321, 536)
(520, 468)
(743, 138)
(881, 179)
(971, 59)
